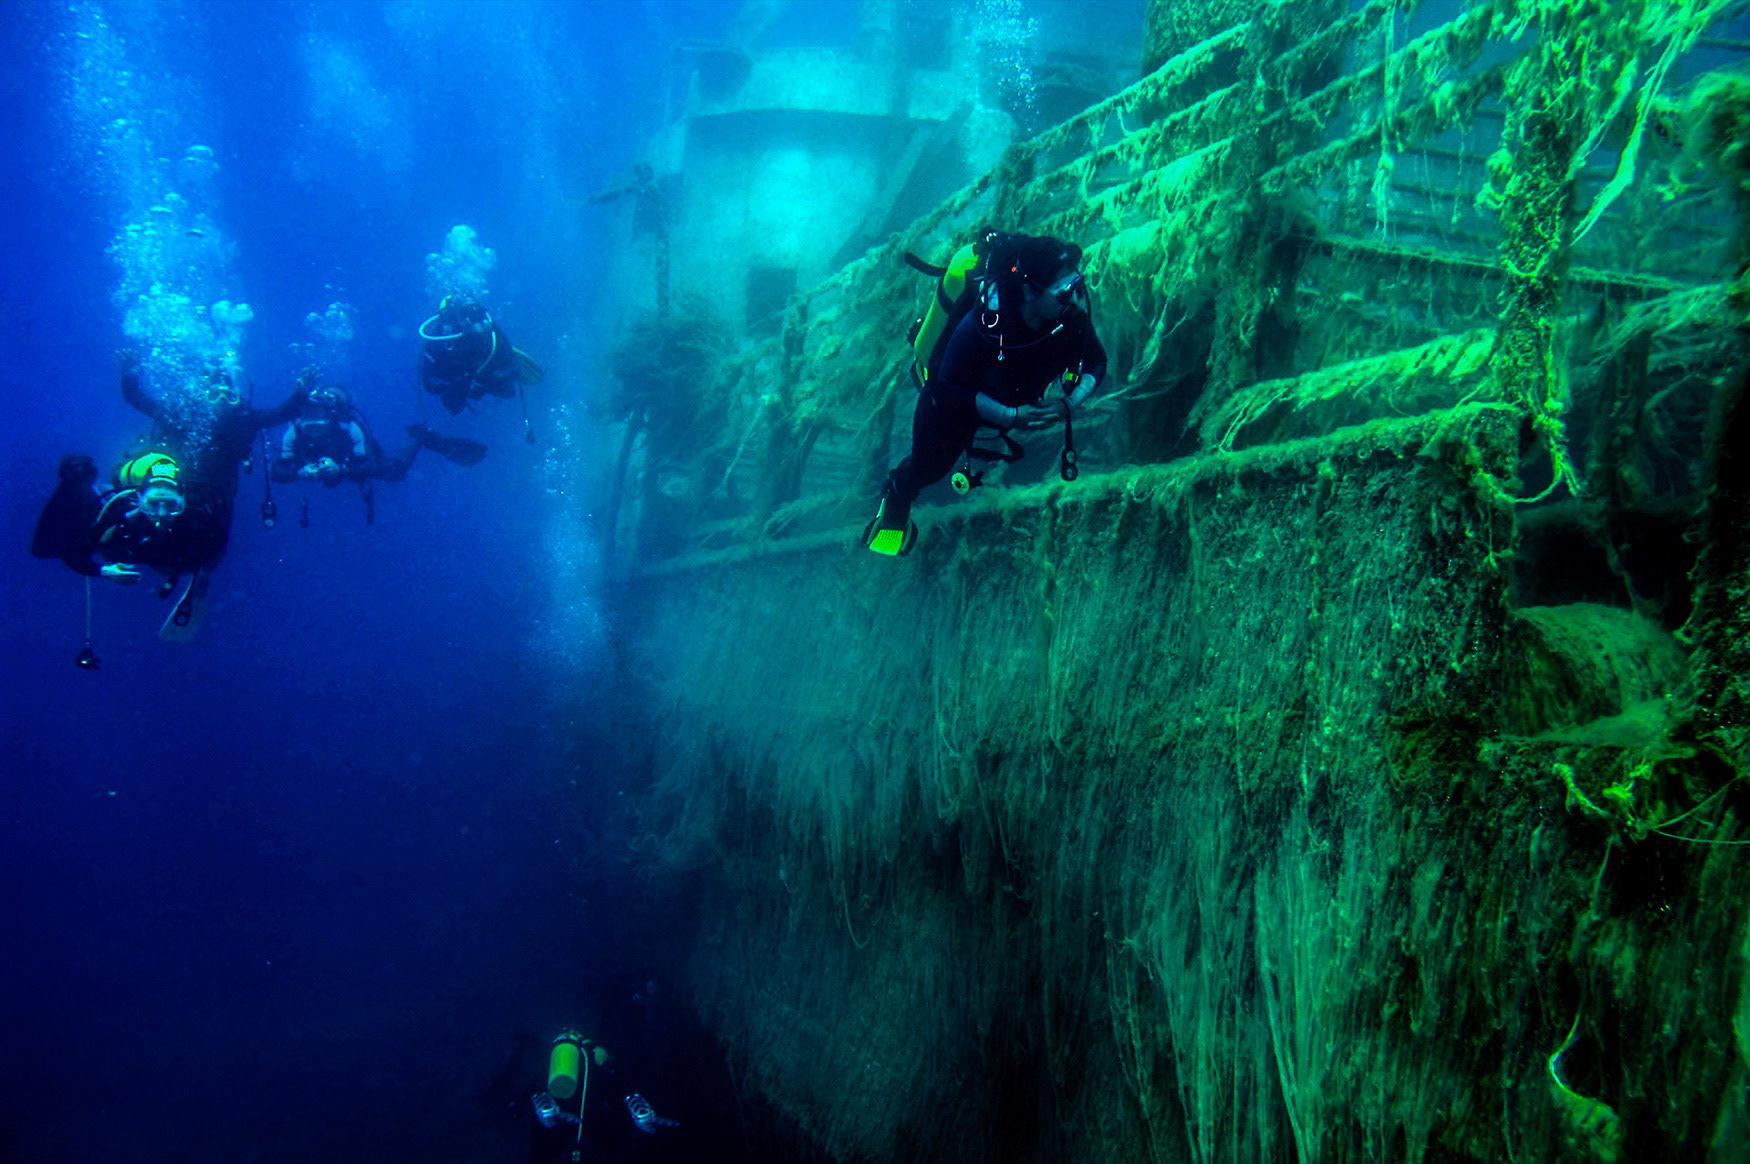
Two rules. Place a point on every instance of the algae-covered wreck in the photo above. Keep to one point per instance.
(1348, 765)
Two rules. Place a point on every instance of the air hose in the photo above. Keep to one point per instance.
(582, 1108)
(86, 659)
(268, 510)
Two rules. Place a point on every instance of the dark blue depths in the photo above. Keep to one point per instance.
(316, 885)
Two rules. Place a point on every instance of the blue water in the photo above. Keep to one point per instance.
(289, 892)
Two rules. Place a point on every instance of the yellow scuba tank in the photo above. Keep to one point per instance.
(935, 319)
(145, 469)
(564, 1065)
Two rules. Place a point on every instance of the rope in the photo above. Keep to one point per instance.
(88, 611)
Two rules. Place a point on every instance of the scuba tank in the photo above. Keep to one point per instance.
(967, 280)
(945, 307)
(138, 472)
(564, 1065)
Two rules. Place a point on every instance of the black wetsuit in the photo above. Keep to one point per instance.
(348, 443)
(194, 540)
(77, 525)
(212, 441)
(947, 414)
(478, 362)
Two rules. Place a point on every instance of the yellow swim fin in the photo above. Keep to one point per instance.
(892, 533)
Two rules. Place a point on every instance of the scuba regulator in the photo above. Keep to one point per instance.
(1066, 466)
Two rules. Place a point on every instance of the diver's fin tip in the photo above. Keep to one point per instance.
(891, 534)
(528, 371)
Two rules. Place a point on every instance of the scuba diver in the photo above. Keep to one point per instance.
(464, 356)
(569, 1107)
(148, 518)
(171, 501)
(1010, 319)
(212, 439)
(330, 441)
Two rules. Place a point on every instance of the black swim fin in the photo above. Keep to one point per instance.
(64, 526)
(189, 612)
(459, 450)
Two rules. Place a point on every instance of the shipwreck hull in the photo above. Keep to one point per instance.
(1214, 810)
(1347, 765)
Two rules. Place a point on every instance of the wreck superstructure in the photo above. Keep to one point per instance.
(1347, 764)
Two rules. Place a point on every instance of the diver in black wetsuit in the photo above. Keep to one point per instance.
(588, 1099)
(330, 442)
(212, 439)
(145, 520)
(464, 356)
(209, 440)
(170, 509)
(1030, 331)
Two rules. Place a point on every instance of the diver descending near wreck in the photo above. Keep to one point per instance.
(142, 519)
(1010, 322)
(567, 1109)
(212, 439)
(166, 502)
(169, 505)
(464, 356)
(330, 441)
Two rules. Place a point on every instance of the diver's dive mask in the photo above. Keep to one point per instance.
(161, 503)
(329, 400)
(461, 317)
(222, 388)
(1069, 291)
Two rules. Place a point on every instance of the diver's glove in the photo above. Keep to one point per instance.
(1047, 414)
(326, 469)
(1083, 388)
(121, 573)
(990, 412)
